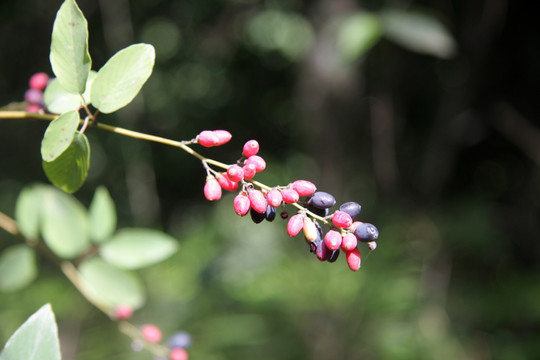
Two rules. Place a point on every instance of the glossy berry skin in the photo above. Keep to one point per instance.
(226, 183)
(290, 196)
(317, 211)
(250, 148)
(181, 339)
(349, 242)
(259, 162)
(303, 187)
(354, 259)
(241, 204)
(256, 216)
(322, 200)
(295, 224)
(223, 136)
(342, 219)
(270, 214)
(123, 312)
(257, 201)
(207, 138)
(249, 171)
(333, 256)
(38, 81)
(274, 198)
(212, 189)
(151, 333)
(366, 232)
(352, 208)
(235, 172)
(322, 252)
(310, 230)
(332, 239)
(178, 354)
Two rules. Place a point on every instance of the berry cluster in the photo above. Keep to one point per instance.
(34, 95)
(313, 206)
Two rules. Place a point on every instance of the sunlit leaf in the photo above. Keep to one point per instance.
(17, 267)
(64, 224)
(357, 34)
(59, 135)
(419, 32)
(36, 339)
(69, 171)
(110, 286)
(70, 59)
(102, 216)
(122, 77)
(135, 248)
(58, 100)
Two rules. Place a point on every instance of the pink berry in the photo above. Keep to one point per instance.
(354, 225)
(354, 259)
(250, 148)
(38, 81)
(212, 189)
(235, 172)
(33, 96)
(207, 138)
(223, 136)
(241, 204)
(249, 171)
(304, 187)
(290, 196)
(257, 201)
(33, 108)
(332, 239)
(226, 183)
(274, 198)
(310, 230)
(123, 312)
(258, 161)
(178, 354)
(342, 219)
(151, 333)
(349, 242)
(295, 224)
(372, 245)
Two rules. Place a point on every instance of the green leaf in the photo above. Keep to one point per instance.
(64, 224)
(110, 286)
(28, 210)
(59, 101)
(69, 56)
(135, 248)
(36, 339)
(419, 32)
(59, 135)
(69, 171)
(357, 34)
(122, 77)
(102, 216)
(17, 267)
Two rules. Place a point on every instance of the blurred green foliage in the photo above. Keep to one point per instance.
(440, 150)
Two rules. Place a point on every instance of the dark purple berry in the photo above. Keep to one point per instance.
(284, 215)
(352, 208)
(322, 200)
(257, 217)
(333, 256)
(34, 96)
(322, 252)
(270, 214)
(317, 211)
(366, 232)
(181, 339)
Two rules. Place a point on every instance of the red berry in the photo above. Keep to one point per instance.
(354, 259)
(123, 312)
(151, 333)
(295, 224)
(212, 189)
(38, 81)
(33, 108)
(310, 230)
(304, 187)
(178, 354)
(274, 198)
(249, 171)
(223, 136)
(235, 172)
(342, 219)
(349, 242)
(257, 201)
(290, 196)
(207, 138)
(250, 148)
(226, 183)
(332, 239)
(241, 204)
(258, 161)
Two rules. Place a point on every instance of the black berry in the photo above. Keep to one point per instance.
(352, 208)
(270, 214)
(322, 200)
(256, 216)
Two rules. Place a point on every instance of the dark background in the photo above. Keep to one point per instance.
(443, 153)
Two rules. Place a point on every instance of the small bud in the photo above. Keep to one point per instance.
(151, 333)
(123, 312)
(372, 245)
